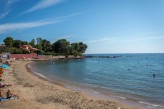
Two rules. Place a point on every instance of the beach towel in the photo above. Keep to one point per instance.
(5, 99)
(13, 97)
(4, 66)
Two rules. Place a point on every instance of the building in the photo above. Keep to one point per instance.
(28, 48)
(4, 56)
(2, 48)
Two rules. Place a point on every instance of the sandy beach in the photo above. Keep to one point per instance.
(36, 93)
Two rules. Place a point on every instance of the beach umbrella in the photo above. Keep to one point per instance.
(4, 66)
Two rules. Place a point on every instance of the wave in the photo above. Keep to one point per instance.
(37, 73)
(121, 97)
(150, 104)
(40, 75)
(29, 66)
(95, 92)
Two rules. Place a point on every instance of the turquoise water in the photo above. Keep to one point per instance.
(131, 74)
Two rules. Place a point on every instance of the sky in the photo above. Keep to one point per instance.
(106, 26)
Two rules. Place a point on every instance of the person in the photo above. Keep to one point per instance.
(3, 85)
(154, 76)
(10, 95)
(1, 79)
(1, 96)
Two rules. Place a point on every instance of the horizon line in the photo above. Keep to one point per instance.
(129, 53)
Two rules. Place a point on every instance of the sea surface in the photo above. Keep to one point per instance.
(129, 77)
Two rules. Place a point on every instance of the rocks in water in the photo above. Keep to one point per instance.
(103, 56)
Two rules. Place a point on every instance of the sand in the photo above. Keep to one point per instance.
(36, 93)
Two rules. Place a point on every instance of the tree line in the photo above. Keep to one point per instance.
(45, 47)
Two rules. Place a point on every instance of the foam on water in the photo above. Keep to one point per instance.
(40, 75)
(152, 106)
(29, 66)
(121, 97)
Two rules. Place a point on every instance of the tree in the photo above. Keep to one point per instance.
(39, 43)
(78, 48)
(61, 46)
(8, 42)
(39, 47)
(73, 49)
(46, 45)
(17, 43)
(32, 43)
(82, 47)
(39, 40)
(24, 43)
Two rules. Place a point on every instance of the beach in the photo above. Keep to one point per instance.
(37, 93)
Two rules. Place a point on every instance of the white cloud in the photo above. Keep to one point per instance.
(4, 14)
(25, 25)
(101, 40)
(10, 2)
(71, 15)
(42, 4)
(125, 39)
(7, 6)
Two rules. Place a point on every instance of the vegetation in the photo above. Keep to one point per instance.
(9, 41)
(45, 47)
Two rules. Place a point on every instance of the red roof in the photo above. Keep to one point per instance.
(30, 48)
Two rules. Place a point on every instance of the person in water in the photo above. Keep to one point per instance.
(154, 76)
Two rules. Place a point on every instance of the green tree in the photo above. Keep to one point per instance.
(61, 46)
(46, 45)
(39, 40)
(39, 47)
(73, 49)
(82, 47)
(77, 48)
(32, 43)
(39, 43)
(24, 43)
(17, 43)
(8, 42)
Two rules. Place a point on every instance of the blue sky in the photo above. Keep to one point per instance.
(106, 26)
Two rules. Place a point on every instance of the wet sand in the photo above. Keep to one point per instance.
(37, 93)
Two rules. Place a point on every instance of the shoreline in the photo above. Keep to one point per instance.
(40, 76)
(86, 90)
(104, 95)
(35, 92)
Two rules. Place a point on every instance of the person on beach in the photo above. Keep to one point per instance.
(1, 79)
(1, 96)
(4, 85)
(10, 95)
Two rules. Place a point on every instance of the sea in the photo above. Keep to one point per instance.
(135, 79)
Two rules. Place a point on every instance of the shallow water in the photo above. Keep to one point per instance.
(130, 76)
